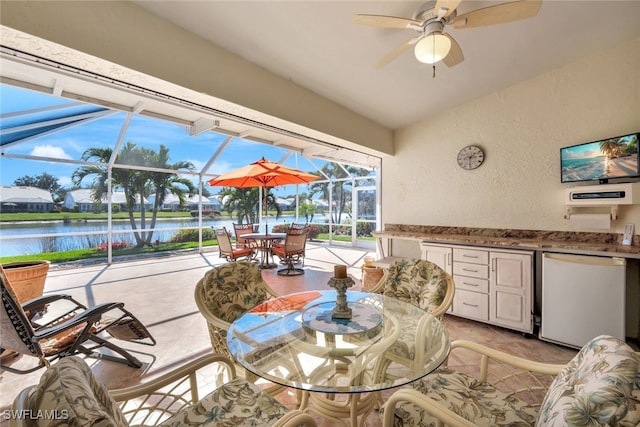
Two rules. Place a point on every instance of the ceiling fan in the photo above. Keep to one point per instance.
(432, 44)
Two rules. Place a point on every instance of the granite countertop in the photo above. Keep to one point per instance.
(553, 241)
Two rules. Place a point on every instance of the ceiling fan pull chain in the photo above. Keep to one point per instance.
(434, 57)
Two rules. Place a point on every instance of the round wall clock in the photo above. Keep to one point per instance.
(470, 157)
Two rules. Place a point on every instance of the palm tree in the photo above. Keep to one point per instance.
(162, 183)
(610, 147)
(341, 190)
(245, 202)
(136, 184)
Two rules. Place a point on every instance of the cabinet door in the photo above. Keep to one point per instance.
(510, 290)
(439, 255)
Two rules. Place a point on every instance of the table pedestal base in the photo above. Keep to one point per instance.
(341, 407)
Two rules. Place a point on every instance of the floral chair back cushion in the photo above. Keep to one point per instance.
(232, 289)
(70, 395)
(419, 282)
(595, 388)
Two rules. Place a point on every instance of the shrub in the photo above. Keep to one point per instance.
(114, 246)
(280, 228)
(192, 235)
(314, 231)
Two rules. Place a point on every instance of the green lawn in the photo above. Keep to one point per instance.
(79, 216)
(93, 253)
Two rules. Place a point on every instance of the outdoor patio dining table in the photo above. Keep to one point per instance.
(265, 242)
(294, 341)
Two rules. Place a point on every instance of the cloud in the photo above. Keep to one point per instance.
(65, 181)
(50, 151)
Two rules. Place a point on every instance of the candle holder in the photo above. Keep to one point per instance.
(342, 309)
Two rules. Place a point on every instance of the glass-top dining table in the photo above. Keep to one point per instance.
(295, 341)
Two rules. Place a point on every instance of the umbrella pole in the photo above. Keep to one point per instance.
(266, 211)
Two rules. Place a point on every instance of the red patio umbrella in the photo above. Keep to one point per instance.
(262, 173)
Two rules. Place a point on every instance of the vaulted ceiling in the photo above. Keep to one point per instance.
(316, 45)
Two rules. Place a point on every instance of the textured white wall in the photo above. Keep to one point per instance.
(521, 129)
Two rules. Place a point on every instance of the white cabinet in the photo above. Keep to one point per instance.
(471, 276)
(492, 285)
(440, 255)
(510, 290)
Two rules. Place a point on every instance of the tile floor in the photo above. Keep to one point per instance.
(159, 291)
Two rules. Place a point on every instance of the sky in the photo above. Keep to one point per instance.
(103, 132)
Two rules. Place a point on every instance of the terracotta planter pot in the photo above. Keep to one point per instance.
(371, 275)
(27, 278)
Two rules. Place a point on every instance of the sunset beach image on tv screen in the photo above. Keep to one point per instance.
(610, 158)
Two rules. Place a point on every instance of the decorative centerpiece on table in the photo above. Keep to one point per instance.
(340, 281)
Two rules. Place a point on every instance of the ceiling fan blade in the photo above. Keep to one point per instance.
(498, 14)
(450, 5)
(455, 55)
(396, 52)
(385, 21)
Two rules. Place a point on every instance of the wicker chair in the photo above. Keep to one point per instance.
(224, 294)
(227, 251)
(599, 386)
(55, 326)
(292, 251)
(70, 391)
(424, 285)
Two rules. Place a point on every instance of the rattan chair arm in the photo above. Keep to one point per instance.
(519, 362)
(295, 418)
(438, 411)
(448, 298)
(136, 391)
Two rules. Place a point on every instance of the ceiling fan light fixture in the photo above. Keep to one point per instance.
(432, 48)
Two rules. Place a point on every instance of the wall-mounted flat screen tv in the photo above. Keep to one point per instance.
(611, 158)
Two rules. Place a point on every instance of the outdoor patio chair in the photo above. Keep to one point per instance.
(240, 230)
(292, 251)
(227, 251)
(599, 386)
(69, 392)
(55, 326)
(425, 285)
(225, 293)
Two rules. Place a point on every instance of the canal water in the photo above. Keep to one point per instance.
(93, 234)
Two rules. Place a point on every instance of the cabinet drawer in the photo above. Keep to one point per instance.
(471, 304)
(471, 270)
(470, 255)
(471, 284)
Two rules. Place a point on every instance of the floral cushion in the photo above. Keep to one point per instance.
(595, 388)
(474, 400)
(237, 403)
(69, 395)
(419, 282)
(600, 386)
(232, 289)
